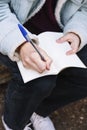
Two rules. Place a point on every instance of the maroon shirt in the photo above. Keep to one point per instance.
(44, 20)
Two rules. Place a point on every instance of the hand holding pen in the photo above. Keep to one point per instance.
(30, 56)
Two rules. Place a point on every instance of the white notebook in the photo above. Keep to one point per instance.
(57, 52)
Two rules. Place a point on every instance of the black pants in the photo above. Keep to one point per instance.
(42, 95)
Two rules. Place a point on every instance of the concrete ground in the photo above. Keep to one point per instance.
(70, 117)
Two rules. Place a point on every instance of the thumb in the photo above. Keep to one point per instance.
(62, 39)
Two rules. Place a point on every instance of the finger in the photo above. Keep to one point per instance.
(38, 62)
(29, 64)
(35, 67)
(63, 39)
(72, 51)
(48, 59)
(48, 63)
(75, 46)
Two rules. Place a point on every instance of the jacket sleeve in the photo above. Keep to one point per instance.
(10, 35)
(78, 24)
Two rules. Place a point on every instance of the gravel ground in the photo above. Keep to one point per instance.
(70, 117)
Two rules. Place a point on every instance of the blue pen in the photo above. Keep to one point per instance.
(26, 36)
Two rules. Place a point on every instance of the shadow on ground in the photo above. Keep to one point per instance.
(70, 117)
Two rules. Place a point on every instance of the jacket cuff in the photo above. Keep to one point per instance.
(12, 41)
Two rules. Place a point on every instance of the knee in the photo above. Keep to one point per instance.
(45, 87)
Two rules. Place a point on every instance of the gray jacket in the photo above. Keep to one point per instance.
(70, 14)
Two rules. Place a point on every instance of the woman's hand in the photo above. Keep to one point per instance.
(31, 59)
(74, 41)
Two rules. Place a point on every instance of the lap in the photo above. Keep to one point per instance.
(76, 75)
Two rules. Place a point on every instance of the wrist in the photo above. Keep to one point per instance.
(18, 49)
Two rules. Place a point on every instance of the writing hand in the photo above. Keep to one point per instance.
(31, 59)
(74, 41)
